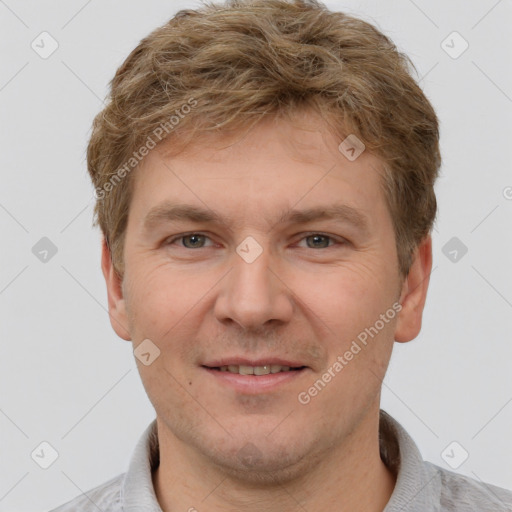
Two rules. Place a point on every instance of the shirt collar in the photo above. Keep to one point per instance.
(137, 491)
(415, 487)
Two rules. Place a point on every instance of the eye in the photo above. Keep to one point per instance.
(190, 241)
(313, 241)
(319, 241)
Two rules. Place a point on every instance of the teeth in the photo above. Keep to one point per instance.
(246, 370)
(262, 370)
(255, 370)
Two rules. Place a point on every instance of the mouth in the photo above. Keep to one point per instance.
(265, 369)
(254, 377)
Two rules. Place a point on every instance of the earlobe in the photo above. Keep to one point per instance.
(116, 301)
(414, 293)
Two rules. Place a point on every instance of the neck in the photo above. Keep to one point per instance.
(340, 480)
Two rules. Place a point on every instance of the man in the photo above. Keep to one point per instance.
(264, 177)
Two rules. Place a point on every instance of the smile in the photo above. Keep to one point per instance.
(255, 370)
(256, 378)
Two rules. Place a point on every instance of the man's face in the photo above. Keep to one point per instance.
(255, 289)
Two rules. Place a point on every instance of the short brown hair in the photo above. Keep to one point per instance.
(243, 60)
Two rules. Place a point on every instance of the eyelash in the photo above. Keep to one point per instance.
(337, 241)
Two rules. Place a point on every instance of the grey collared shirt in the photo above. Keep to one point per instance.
(420, 487)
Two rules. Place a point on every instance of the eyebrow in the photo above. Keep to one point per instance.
(168, 212)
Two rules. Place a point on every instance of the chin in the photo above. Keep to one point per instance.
(262, 462)
(265, 470)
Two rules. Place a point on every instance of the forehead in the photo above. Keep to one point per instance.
(277, 166)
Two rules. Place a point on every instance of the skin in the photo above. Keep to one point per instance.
(302, 298)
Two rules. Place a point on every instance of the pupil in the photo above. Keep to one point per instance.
(192, 237)
(318, 237)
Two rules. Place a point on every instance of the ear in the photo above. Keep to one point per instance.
(414, 293)
(116, 302)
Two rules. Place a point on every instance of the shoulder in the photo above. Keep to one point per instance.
(106, 496)
(460, 493)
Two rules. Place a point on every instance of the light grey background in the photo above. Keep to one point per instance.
(66, 378)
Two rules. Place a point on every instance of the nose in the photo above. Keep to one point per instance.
(253, 294)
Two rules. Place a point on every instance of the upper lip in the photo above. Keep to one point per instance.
(244, 361)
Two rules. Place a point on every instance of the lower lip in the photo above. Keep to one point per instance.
(254, 384)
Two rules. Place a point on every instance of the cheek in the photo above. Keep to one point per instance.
(160, 296)
(345, 300)
(169, 307)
